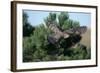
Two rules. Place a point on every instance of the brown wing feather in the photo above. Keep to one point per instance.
(77, 30)
(58, 33)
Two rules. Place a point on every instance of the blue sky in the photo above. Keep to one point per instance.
(37, 17)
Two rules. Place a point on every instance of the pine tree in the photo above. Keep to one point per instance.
(36, 47)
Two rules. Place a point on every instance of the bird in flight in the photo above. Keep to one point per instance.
(58, 33)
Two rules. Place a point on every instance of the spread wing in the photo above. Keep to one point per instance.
(58, 33)
(78, 30)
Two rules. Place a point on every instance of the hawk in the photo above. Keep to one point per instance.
(72, 35)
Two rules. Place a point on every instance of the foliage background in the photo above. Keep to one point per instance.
(36, 47)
